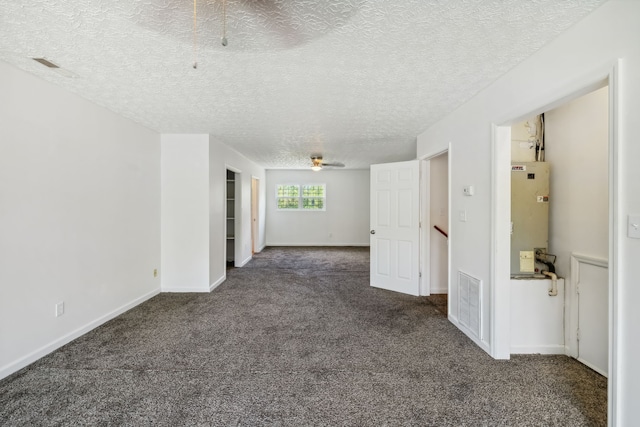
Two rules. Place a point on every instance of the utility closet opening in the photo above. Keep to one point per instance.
(231, 209)
(559, 231)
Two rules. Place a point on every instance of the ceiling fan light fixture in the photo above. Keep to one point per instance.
(316, 163)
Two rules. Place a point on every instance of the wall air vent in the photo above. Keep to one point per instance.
(45, 62)
(470, 303)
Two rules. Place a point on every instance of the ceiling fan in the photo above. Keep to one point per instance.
(317, 164)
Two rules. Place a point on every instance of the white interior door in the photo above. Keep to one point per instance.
(395, 227)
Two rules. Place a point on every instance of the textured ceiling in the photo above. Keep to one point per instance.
(353, 80)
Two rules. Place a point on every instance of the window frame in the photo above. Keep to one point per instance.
(301, 197)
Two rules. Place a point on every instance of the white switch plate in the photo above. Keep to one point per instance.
(463, 216)
(468, 190)
(633, 227)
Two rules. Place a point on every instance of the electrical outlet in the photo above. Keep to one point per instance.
(155, 272)
(59, 309)
(463, 216)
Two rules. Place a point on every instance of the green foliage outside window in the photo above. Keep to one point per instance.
(288, 191)
(312, 197)
(313, 191)
(313, 203)
(288, 203)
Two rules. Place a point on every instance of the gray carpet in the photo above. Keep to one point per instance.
(295, 338)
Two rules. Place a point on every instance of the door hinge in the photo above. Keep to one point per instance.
(577, 334)
(420, 274)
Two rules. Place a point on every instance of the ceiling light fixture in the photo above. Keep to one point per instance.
(316, 164)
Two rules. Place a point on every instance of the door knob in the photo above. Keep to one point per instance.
(373, 231)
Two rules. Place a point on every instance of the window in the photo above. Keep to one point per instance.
(313, 197)
(310, 197)
(288, 196)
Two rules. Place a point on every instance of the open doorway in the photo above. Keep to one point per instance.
(577, 134)
(437, 232)
(232, 217)
(578, 202)
(559, 231)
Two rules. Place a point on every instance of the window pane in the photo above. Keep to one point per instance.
(313, 191)
(287, 191)
(313, 203)
(287, 203)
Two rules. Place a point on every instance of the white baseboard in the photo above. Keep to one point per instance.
(318, 244)
(218, 282)
(9, 369)
(244, 262)
(538, 349)
(439, 290)
(185, 290)
(480, 343)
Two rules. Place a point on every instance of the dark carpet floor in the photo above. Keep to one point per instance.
(295, 338)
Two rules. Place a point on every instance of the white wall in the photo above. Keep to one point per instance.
(537, 319)
(577, 136)
(345, 222)
(577, 141)
(524, 137)
(79, 216)
(185, 213)
(193, 215)
(439, 215)
(576, 59)
(221, 158)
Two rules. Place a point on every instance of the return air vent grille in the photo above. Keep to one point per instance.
(470, 303)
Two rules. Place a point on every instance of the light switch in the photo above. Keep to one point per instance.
(468, 190)
(633, 227)
(463, 216)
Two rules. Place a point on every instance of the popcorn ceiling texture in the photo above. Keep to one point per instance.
(353, 80)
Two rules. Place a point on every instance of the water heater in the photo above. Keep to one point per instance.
(529, 215)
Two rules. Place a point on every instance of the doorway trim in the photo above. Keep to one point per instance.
(255, 209)
(425, 218)
(501, 202)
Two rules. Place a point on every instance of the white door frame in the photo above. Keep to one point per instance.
(255, 217)
(237, 245)
(501, 205)
(425, 217)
